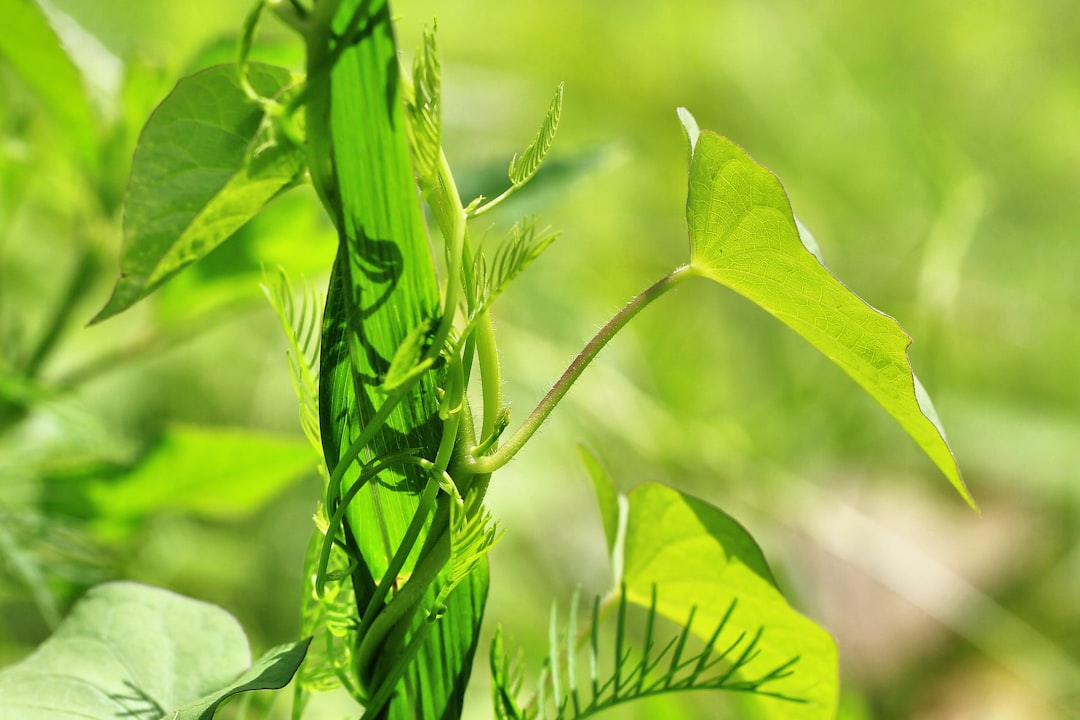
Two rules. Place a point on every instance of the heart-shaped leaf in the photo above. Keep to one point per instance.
(743, 235)
(128, 650)
(699, 559)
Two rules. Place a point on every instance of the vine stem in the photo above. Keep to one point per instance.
(494, 461)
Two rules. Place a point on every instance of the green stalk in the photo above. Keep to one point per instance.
(494, 461)
(383, 286)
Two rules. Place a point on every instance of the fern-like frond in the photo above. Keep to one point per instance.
(329, 618)
(507, 675)
(424, 110)
(471, 538)
(524, 245)
(408, 360)
(301, 323)
(629, 674)
(524, 166)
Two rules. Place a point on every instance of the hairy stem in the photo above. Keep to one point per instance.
(492, 462)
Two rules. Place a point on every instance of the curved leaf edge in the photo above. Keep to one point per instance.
(951, 469)
(204, 232)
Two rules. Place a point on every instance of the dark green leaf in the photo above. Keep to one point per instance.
(205, 164)
(383, 286)
(273, 671)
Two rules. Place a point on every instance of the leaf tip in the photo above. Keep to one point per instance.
(113, 307)
(693, 132)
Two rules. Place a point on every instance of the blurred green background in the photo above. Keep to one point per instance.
(932, 148)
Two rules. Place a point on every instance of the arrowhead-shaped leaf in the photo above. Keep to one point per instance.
(202, 169)
(743, 235)
(128, 650)
(699, 558)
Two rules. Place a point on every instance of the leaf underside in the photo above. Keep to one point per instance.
(128, 650)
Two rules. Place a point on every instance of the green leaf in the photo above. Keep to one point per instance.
(607, 497)
(425, 108)
(215, 472)
(408, 361)
(330, 619)
(273, 671)
(524, 166)
(471, 539)
(302, 323)
(696, 556)
(511, 258)
(128, 650)
(205, 164)
(383, 286)
(743, 235)
(33, 49)
(506, 679)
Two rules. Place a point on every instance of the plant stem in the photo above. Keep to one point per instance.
(455, 246)
(494, 461)
(490, 376)
(81, 278)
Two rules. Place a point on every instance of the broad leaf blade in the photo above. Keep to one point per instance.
(33, 49)
(200, 172)
(128, 650)
(382, 287)
(214, 472)
(698, 557)
(743, 235)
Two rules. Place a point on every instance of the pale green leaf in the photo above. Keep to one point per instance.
(330, 618)
(301, 323)
(205, 164)
(214, 472)
(30, 45)
(128, 650)
(743, 235)
(425, 108)
(696, 556)
(524, 166)
(511, 258)
(471, 539)
(607, 497)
